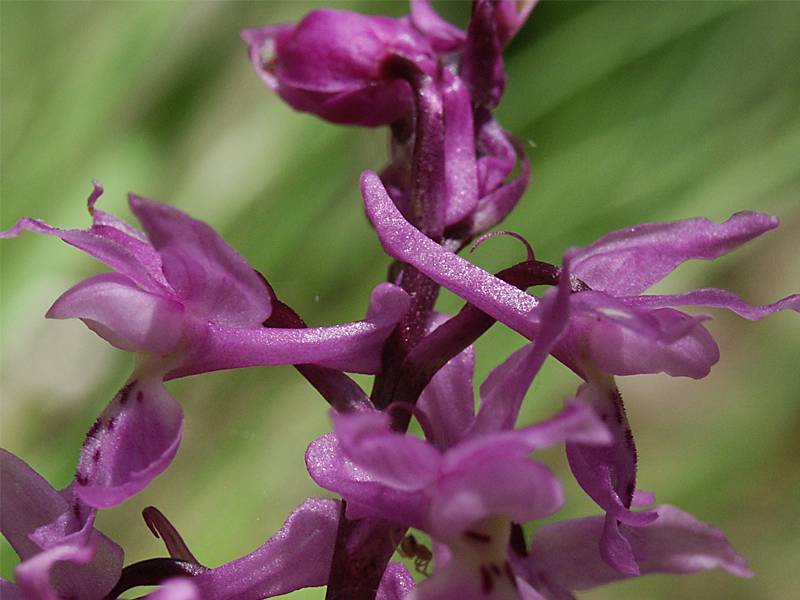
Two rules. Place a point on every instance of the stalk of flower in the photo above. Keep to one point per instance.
(186, 303)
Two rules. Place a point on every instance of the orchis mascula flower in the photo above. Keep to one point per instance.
(62, 555)
(186, 303)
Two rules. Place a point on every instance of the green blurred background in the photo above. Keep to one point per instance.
(634, 112)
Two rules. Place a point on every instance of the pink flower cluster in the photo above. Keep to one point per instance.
(186, 303)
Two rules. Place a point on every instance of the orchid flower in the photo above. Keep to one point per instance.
(62, 555)
(186, 303)
(612, 324)
(613, 328)
(472, 478)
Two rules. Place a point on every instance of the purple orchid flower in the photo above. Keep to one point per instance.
(472, 477)
(186, 303)
(62, 555)
(613, 328)
(612, 325)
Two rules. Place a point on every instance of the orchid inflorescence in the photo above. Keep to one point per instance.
(186, 303)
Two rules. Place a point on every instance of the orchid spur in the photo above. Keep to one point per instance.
(186, 303)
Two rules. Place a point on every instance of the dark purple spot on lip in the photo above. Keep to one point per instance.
(96, 455)
(94, 428)
(76, 510)
(487, 583)
(477, 536)
(111, 422)
(629, 439)
(80, 478)
(125, 393)
(140, 396)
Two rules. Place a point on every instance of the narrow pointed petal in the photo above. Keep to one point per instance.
(715, 298)
(126, 254)
(297, 556)
(28, 502)
(393, 459)
(448, 400)
(366, 496)
(133, 441)
(352, 346)
(123, 314)
(675, 543)
(404, 242)
(205, 272)
(396, 583)
(482, 65)
(628, 261)
(461, 175)
(505, 388)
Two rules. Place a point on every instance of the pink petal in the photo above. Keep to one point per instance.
(497, 203)
(352, 346)
(505, 387)
(366, 496)
(675, 543)
(297, 556)
(482, 486)
(28, 502)
(448, 400)
(35, 517)
(461, 173)
(123, 314)
(715, 298)
(629, 261)
(133, 441)
(396, 460)
(627, 341)
(404, 242)
(109, 240)
(608, 473)
(205, 272)
(33, 574)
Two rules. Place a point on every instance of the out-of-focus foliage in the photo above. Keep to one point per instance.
(633, 112)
